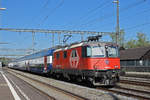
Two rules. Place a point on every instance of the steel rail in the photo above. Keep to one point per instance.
(135, 83)
(124, 93)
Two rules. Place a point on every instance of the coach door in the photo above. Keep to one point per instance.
(45, 63)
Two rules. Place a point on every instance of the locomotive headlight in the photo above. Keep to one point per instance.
(107, 67)
(116, 66)
(95, 67)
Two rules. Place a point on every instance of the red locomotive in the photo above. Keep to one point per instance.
(93, 61)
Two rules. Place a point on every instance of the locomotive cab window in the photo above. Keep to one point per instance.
(84, 51)
(93, 51)
(111, 51)
(57, 55)
(65, 54)
(96, 51)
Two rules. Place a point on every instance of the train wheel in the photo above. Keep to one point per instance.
(107, 82)
(73, 78)
(118, 78)
(66, 77)
(58, 76)
(79, 79)
(90, 82)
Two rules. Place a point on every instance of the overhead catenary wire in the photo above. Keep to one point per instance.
(51, 12)
(132, 5)
(130, 16)
(109, 15)
(40, 12)
(139, 25)
(138, 13)
(46, 4)
(87, 15)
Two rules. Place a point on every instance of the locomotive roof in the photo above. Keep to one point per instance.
(85, 43)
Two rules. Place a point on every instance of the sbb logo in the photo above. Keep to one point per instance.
(74, 59)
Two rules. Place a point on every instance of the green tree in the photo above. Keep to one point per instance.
(141, 41)
(131, 44)
(113, 37)
(121, 38)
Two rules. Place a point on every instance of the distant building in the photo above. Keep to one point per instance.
(135, 57)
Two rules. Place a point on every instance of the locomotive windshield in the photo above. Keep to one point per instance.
(100, 51)
(111, 51)
(95, 51)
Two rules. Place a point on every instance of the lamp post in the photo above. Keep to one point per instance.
(2, 8)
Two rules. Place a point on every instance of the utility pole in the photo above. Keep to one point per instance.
(118, 26)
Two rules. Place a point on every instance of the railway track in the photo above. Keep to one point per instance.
(135, 81)
(137, 94)
(122, 90)
(64, 89)
(50, 90)
(138, 88)
(137, 75)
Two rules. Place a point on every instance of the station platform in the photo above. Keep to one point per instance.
(5, 93)
(13, 88)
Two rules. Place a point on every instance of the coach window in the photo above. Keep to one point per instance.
(65, 54)
(57, 55)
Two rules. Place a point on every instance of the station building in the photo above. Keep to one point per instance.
(135, 59)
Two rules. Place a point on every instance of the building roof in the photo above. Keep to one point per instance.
(134, 53)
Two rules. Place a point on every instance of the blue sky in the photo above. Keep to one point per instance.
(90, 15)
